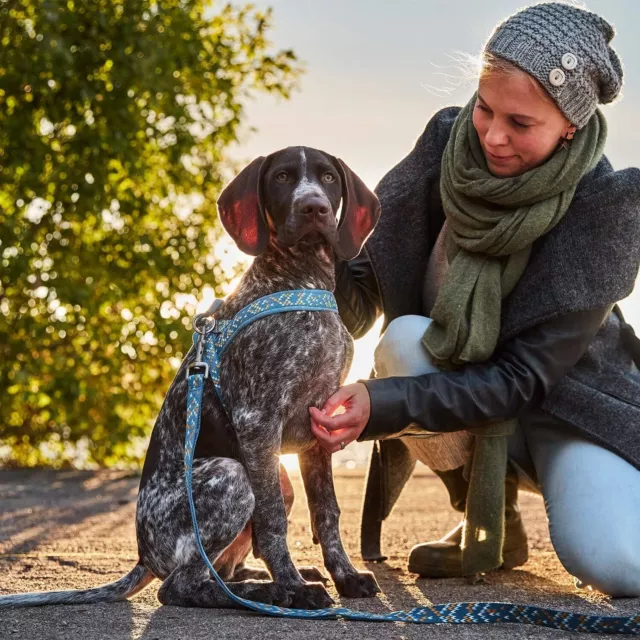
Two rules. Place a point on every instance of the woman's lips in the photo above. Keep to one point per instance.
(498, 159)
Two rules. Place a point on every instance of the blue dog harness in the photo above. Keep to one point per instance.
(211, 338)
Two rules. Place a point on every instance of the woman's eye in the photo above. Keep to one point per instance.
(520, 125)
(328, 178)
(481, 107)
(282, 176)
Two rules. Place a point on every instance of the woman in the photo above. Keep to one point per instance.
(505, 241)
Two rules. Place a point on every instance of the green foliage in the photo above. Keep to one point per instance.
(115, 117)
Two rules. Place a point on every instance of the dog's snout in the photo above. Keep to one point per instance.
(314, 206)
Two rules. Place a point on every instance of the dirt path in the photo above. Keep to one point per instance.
(75, 529)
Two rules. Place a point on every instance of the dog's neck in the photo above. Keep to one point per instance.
(303, 266)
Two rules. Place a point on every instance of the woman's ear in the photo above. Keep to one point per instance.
(570, 131)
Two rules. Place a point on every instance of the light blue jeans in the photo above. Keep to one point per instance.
(591, 495)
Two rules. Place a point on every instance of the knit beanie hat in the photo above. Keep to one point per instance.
(567, 50)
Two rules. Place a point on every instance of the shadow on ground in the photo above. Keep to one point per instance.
(61, 530)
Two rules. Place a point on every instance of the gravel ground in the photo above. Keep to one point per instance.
(75, 530)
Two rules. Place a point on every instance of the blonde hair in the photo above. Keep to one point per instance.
(491, 64)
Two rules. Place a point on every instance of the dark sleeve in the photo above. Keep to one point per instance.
(357, 294)
(516, 378)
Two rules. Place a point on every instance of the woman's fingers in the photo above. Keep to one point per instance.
(330, 441)
(331, 423)
(324, 438)
(321, 434)
(342, 395)
(330, 438)
(332, 431)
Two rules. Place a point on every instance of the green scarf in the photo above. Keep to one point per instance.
(491, 224)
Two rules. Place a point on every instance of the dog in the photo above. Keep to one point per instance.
(283, 210)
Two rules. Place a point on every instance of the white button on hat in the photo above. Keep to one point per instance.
(569, 61)
(557, 77)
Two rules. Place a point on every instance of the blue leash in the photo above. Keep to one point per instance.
(211, 339)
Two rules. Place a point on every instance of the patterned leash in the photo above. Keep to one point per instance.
(211, 339)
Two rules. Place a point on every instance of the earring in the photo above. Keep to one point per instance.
(564, 142)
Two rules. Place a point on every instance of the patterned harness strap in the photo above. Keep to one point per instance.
(211, 342)
(222, 332)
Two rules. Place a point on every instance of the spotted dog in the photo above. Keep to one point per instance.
(283, 210)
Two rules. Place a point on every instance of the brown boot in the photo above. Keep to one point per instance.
(443, 559)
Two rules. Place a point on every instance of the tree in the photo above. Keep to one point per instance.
(115, 116)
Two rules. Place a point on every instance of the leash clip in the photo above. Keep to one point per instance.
(203, 324)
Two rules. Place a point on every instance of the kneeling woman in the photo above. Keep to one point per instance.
(505, 241)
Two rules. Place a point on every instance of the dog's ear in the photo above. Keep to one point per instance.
(241, 209)
(360, 213)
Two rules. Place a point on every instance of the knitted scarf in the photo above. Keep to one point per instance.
(491, 225)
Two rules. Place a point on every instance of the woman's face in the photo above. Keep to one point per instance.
(518, 126)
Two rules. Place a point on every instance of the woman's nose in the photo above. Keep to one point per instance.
(496, 135)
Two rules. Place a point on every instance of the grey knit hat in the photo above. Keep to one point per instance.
(567, 50)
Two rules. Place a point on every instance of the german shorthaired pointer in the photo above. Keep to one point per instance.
(282, 209)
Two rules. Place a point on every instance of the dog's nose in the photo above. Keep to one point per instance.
(314, 206)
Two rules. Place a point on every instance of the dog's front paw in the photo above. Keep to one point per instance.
(360, 584)
(310, 596)
(312, 574)
(264, 592)
(279, 596)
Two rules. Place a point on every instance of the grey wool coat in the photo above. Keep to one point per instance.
(590, 259)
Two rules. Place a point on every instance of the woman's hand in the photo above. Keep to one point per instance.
(336, 432)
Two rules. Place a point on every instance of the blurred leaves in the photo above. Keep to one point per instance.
(114, 120)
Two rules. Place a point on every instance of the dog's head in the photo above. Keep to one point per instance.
(294, 194)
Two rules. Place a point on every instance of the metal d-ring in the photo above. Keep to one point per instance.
(203, 324)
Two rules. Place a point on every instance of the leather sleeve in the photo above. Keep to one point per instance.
(357, 294)
(516, 378)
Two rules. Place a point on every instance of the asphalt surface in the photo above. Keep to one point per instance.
(61, 530)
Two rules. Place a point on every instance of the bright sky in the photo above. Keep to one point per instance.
(369, 63)
(375, 76)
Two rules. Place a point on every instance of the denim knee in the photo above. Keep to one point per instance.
(592, 498)
(610, 565)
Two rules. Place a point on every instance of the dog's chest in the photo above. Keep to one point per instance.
(281, 365)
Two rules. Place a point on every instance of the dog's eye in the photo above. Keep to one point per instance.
(328, 177)
(282, 176)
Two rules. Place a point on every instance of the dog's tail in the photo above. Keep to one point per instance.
(136, 580)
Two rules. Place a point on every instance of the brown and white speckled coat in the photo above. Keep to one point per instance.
(282, 209)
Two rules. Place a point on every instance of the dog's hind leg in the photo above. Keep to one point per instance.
(191, 586)
(224, 504)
